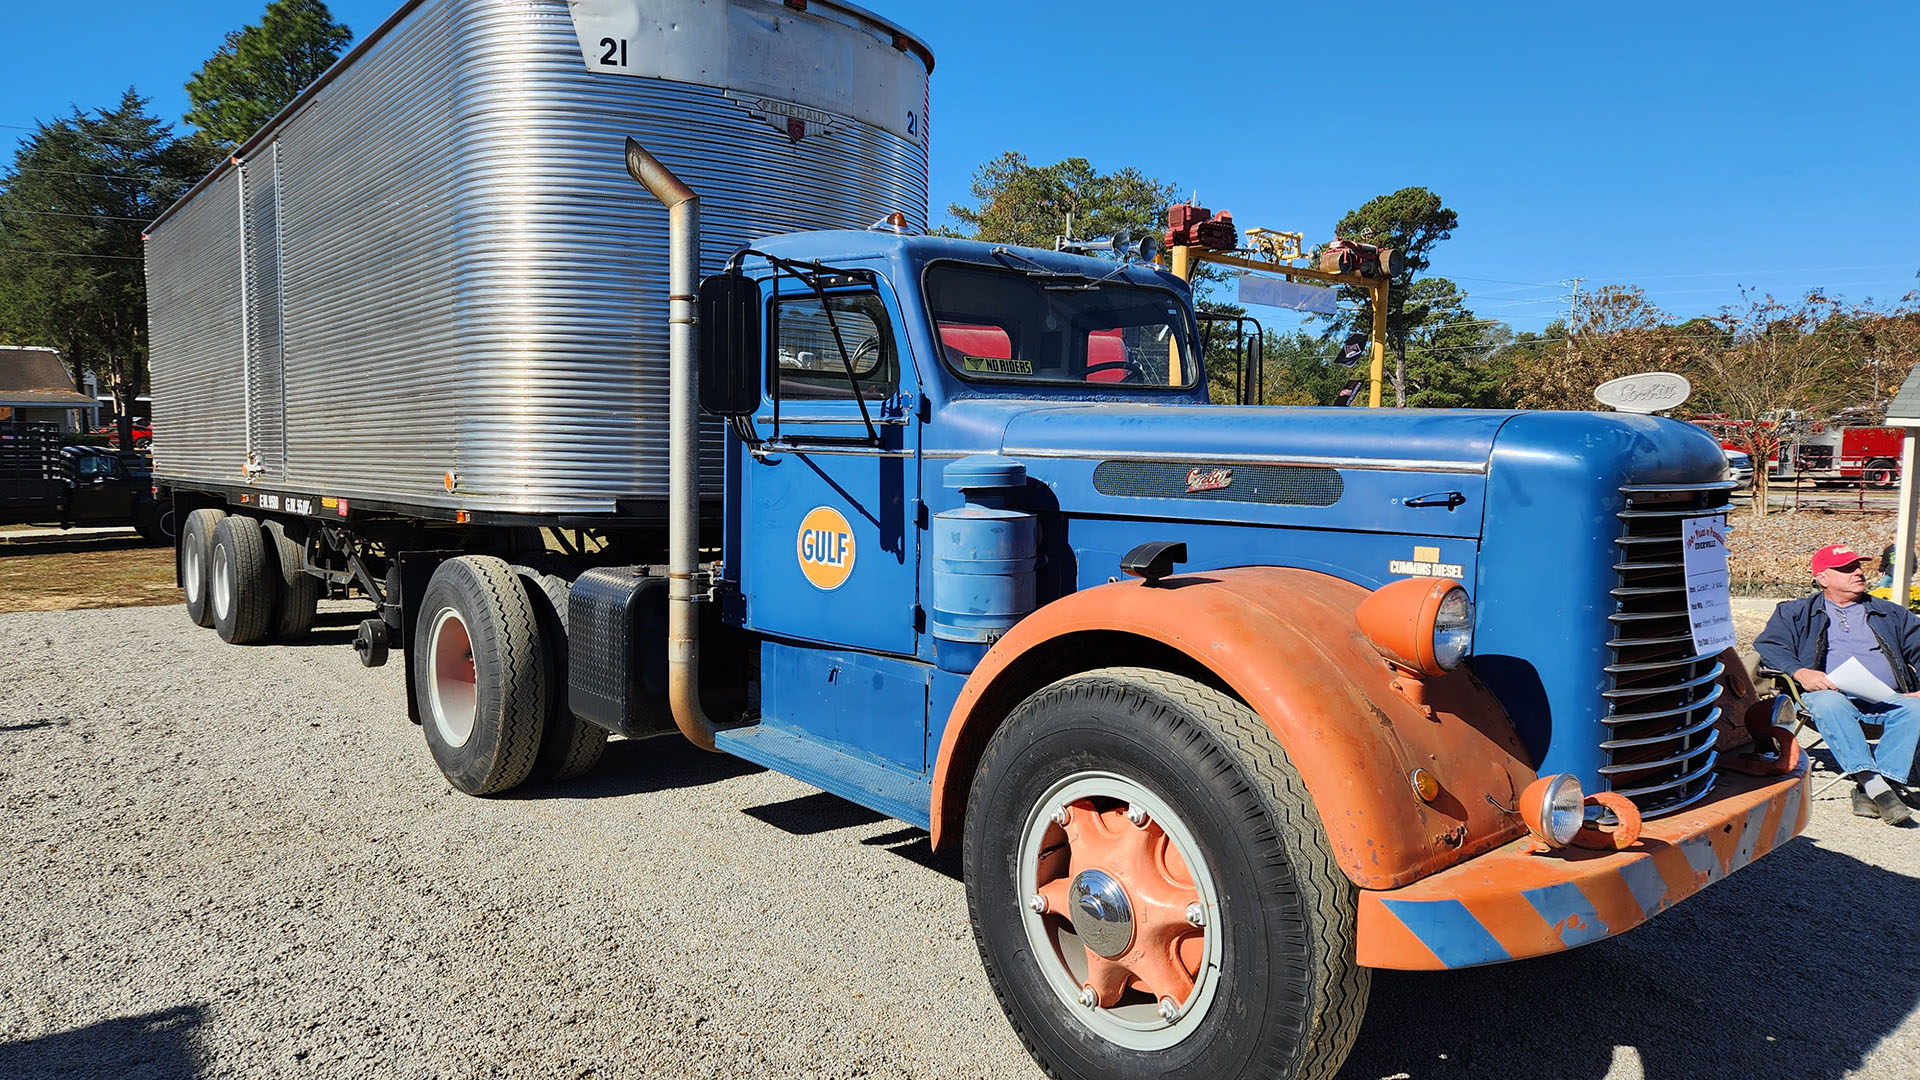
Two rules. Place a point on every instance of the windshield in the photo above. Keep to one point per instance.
(1020, 326)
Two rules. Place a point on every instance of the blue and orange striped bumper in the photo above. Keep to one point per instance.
(1518, 901)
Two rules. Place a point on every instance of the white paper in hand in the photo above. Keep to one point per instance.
(1855, 680)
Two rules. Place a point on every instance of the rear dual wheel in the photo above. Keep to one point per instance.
(1152, 891)
(239, 585)
(245, 578)
(480, 674)
(194, 554)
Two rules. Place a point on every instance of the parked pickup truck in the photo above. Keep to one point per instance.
(44, 483)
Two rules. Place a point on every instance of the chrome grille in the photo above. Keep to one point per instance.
(1663, 704)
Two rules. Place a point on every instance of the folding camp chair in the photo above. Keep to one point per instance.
(1802, 721)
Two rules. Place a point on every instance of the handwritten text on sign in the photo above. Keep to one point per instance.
(1703, 545)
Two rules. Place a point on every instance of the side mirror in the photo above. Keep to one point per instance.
(730, 345)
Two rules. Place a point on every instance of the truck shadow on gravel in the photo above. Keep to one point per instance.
(642, 766)
(1798, 966)
(810, 815)
(154, 1046)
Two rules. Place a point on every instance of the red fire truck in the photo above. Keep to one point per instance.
(1823, 451)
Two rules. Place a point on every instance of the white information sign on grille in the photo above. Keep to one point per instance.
(1703, 545)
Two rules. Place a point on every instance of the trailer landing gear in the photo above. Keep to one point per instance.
(372, 642)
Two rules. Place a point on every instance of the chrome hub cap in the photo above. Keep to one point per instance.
(1102, 914)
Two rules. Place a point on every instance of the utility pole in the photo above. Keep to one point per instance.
(1573, 305)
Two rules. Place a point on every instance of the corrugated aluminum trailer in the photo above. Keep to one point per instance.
(431, 286)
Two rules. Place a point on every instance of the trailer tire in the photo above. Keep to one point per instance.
(240, 583)
(194, 556)
(480, 674)
(569, 746)
(296, 597)
(1271, 987)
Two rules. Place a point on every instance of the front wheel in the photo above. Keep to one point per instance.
(1152, 891)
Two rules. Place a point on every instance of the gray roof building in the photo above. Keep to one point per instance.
(35, 378)
(1904, 409)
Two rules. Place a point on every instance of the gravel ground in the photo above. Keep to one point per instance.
(242, 863)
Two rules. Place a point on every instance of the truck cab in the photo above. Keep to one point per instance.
(1165, 669)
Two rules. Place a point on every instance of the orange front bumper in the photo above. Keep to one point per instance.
(1517, 901)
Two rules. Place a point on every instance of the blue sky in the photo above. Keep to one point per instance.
(1690, 148)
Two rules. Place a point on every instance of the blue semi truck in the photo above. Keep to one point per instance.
(1223, 706)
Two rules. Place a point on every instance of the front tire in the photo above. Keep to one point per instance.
(480, 674)
(1881, 473)
(1152, 891)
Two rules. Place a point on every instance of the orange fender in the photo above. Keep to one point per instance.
(1285, 641)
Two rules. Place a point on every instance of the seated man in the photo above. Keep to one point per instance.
(1816, 634)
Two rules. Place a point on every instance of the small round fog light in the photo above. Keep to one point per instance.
(1554, 808)
(1424, 785)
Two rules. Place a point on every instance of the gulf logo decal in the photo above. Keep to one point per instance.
(826, 548)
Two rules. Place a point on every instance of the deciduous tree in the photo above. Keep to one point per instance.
(1814, 357)
(1616, 331)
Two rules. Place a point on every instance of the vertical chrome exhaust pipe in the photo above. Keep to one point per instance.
(683, 433)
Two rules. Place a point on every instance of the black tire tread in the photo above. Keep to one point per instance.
(570, 747)
(1341, 986)
(521, 677)
(253, 584)
(297, 600)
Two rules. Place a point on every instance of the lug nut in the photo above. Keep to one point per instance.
(1169, 1010)
(1088, 997)
(1196, 915)
(1037, 904)
(1060, 816)
(1138, 816)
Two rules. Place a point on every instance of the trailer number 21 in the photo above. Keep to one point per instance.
(616, 54)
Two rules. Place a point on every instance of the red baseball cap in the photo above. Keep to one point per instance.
(1834, 556)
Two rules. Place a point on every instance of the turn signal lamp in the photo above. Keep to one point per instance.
(1422, 625)
(1554, 808)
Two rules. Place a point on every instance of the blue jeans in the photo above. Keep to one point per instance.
(1838, 719)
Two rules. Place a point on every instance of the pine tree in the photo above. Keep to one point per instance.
(72, 208)
(259, 70)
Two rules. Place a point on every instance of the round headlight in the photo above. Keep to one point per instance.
(1554, 809)
(1453, 629)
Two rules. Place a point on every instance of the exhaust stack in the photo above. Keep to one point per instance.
(683, 476)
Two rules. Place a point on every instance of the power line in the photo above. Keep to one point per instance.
(57, 213)
(69, 255)
(95, 175)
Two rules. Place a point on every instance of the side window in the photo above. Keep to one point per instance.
(807, 357)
